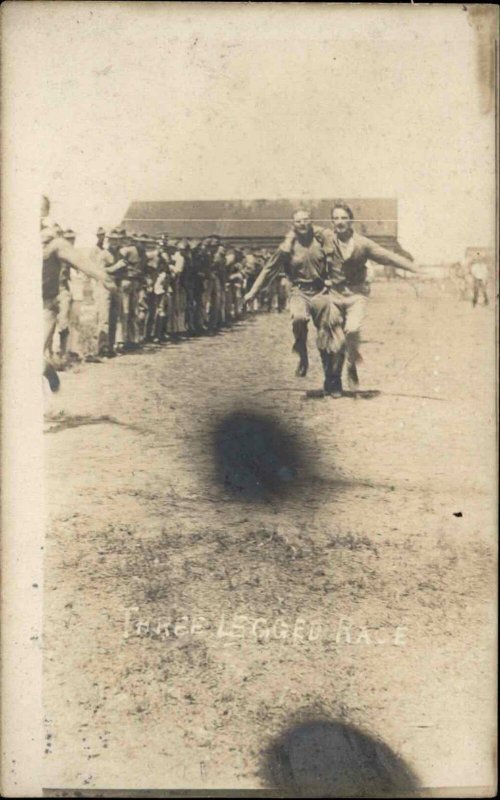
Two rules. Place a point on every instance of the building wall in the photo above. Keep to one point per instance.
(260, 222)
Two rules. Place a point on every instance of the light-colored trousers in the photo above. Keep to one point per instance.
(108, 313)
(351, 305)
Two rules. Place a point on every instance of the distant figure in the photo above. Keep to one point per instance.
(461, 275)
(479, 272)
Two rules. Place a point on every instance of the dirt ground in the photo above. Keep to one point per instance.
(189, 624)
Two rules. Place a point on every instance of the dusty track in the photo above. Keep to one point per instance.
(365, 535)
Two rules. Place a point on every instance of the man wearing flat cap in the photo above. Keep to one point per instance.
(216, 276)
(109, 304)
(128, 281)
(100, 236)
(200, 264)
(176, 320)
(188, 282)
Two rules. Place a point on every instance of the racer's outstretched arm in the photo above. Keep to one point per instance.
(79, 261)
(267, 274)
(383, 256)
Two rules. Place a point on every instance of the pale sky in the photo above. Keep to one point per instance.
(158, 101)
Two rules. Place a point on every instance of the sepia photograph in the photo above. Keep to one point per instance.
(249, 310)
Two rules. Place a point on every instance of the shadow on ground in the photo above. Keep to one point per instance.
(256, 456)
(325, 758)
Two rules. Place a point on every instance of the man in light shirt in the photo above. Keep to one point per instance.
(58, 252)
(349, 278)
(76, 291)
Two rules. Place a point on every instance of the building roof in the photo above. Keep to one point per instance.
(261, 222)
(242, 216)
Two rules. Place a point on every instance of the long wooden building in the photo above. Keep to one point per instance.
(256, 223)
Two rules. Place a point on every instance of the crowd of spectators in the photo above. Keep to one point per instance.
(166, 289)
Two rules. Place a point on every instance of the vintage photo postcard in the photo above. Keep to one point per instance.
(249, 448)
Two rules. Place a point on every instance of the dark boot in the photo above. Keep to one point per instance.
(332, 368)
(52, 377)
(61, 360)
(352, 377)
(300, 347)
(303, 364)
(63, 342)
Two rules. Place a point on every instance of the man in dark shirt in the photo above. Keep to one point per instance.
(305, 255)
(216, 256)
(201, 277)
(129, 287)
